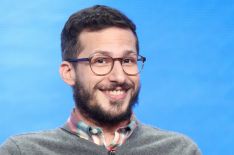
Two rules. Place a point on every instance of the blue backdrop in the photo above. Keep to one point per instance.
(187, 82)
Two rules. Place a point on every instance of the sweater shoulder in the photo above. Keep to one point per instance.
(21, 143)
(54, 142)
(161, 134)
(38, 135)
(150, 138)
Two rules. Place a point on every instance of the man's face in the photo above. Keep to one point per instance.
(106, 99)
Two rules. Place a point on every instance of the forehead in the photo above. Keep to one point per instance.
(113, 41)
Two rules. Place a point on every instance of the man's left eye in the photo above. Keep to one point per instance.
(128, 60)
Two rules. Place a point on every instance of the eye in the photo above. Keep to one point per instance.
(101, 61)
(129, 60)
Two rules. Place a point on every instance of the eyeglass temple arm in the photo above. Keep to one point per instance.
(142, 58)
(76, 60)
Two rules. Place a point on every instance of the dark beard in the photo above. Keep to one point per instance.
(94, 112)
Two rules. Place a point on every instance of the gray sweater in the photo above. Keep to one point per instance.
(145, 140)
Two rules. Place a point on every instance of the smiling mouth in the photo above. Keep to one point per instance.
(115, 94)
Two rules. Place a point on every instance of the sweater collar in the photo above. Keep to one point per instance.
(95, 134)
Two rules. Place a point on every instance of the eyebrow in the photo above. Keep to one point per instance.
(126, 52)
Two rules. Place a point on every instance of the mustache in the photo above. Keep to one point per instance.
(124, 86)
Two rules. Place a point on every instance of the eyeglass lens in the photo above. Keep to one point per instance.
(103, 64)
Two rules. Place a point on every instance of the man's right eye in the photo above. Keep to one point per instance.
(101, 61)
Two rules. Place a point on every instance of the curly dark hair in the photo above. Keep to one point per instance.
(94, 18)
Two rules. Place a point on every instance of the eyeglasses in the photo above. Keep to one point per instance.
(100, 64)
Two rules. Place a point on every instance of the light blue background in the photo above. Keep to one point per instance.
(187, 82)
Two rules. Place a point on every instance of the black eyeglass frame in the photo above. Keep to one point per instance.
(76, 60)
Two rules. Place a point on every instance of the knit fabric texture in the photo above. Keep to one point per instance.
(145, 140)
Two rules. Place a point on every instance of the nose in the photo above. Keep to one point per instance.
(117, 74)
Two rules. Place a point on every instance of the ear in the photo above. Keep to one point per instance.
(67, 73)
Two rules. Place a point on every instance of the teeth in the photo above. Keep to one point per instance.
(116, 92)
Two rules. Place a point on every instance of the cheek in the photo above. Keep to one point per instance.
(85, 77)
(136, 81)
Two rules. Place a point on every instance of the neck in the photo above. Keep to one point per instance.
(108, 130)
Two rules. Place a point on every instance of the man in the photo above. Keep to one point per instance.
(101, 62)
